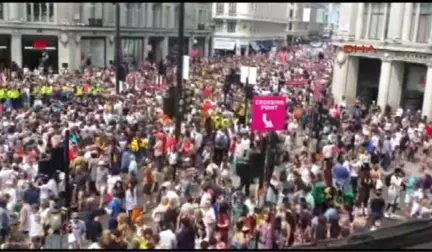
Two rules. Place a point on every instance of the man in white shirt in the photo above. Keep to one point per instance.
(209, 218)
(49, 188)
(327, 150)
(167, 237)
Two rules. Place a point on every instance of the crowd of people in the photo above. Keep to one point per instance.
(336, 169)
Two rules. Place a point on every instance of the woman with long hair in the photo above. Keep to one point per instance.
(159, 212)
(149, 185)
(131, 199)
(303, 232)
(265, 232)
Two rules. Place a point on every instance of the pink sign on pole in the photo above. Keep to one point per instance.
(268, 113)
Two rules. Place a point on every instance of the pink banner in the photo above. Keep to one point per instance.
(268, 113)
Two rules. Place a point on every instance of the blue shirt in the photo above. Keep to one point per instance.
(125, 160)
(115, 206)
(331, 215)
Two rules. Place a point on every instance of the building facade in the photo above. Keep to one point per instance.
(398, 71)
(241, 27)
(306, 19)
(81, 33)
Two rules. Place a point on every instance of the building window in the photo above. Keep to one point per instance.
(219, 8)
(232, 9)
(167, 16)
(218, 26)
(139, 15)
(129, 14)
(291, 13)
(145, 15)
(413, 23)
(40, 12)
(200, 17)
(365, 20)
(155, 16)
(1, 11)
(377, 20)
(231, 26)
(425, 20)
(289, 26)
(176, 16)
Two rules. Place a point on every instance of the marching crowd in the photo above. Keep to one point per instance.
(336, 170)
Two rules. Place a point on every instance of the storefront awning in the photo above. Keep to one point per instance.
(255, 46)
(224, 44)
(265, 44)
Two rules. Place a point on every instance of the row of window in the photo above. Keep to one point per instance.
(232, 9)
(135, 14)
(231, 26)
(163, 16)
(376, 16)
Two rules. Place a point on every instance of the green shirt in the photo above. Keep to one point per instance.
(318, 192)
(310, 200)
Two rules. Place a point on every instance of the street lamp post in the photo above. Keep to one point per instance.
(178, 90)
(117, 47)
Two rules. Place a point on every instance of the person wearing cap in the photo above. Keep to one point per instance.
(78, 228)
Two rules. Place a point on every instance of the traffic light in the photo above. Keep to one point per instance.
(169, 103)
(188, 95)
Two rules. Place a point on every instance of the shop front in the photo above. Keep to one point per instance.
(224, 47)
(133, 50)
(40, 51)
(93, 51)
(414, 86)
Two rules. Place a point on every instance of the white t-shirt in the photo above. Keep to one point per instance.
(167, 239)
(46, 188)
(209, 216)
(131, 199)
(111, 182)
(206, 197)
(315, 169)
(328, 151)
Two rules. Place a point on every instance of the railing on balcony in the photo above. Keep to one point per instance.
(95, 22)
(201, 27)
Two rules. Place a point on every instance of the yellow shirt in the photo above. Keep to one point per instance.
(79, 91)
(134, 145)
(143, 143)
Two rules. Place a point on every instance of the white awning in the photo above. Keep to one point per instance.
(220, 44)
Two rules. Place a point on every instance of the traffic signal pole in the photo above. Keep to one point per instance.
(178, 93)
(117, 48)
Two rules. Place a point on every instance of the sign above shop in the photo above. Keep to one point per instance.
(40, 44)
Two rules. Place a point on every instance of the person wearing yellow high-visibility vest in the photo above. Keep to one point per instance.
(9, 94)
(134, 145)
(37, 92)
(142, 143)
(226, 123)
(2, 94)
(217, 120)
(49, 90)
(79, 91)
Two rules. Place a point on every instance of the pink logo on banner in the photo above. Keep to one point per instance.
(268, 113)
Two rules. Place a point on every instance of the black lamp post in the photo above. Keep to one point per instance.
(178, 93)
(117, 48)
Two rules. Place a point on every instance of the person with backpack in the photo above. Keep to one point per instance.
(221, 146)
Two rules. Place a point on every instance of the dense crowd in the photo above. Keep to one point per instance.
(336, 169)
